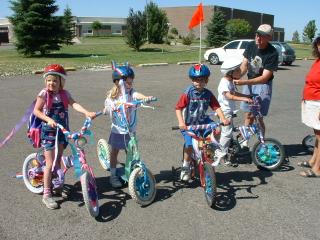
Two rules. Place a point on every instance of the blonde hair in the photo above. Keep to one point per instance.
(114, 92)
(61, 80)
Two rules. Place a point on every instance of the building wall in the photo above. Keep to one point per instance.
(179, 17)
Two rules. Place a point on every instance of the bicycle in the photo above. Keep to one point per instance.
(202, 159)
(34, 165)
(266, 153)
(308, 142)
(141, 182)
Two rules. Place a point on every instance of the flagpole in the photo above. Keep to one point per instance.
(200, 44)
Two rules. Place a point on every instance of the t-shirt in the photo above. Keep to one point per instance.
(311, 89)
(258, 60)
(196, 105)
(56, 98)
(131, 116)
(226, 104)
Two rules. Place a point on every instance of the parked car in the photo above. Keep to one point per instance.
(232, 49)
(287, 54)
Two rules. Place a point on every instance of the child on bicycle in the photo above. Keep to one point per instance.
(227, 95)
(51, 107)
(122, 91)
(195, 102)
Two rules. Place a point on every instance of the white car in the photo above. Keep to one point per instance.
(232, 49)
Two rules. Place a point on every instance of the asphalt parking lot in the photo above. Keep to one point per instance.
(252, 204)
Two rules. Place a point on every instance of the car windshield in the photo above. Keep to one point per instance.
(232, 45)
(286, 46)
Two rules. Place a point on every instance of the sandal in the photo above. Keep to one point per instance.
(309, 174)
(305, 164)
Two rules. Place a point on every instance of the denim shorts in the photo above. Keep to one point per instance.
(48, 139)
(119, 141)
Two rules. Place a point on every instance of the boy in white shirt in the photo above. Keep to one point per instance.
(227, 95)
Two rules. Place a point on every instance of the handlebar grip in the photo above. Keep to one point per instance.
(98, 113)
(175, 128)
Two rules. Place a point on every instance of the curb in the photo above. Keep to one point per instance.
(68, 69)
(186, 63)
(152, 64)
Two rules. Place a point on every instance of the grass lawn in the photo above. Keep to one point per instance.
(99, 51)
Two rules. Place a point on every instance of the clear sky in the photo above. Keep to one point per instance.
(290, 15)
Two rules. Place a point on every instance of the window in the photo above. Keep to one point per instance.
(232, 45)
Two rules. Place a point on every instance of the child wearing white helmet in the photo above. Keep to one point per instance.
(227, 95)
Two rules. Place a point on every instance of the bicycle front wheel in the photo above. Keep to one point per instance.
(142, 186)
(103, 151)
(90, 194)
(269, 155)
(210, 184)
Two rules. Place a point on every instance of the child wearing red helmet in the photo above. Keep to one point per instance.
(52, 107)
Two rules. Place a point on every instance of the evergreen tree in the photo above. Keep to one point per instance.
(216, 30)
(295, 37)
(68, 26)
(136, 29)
(157, 23)
(35, 27)
(310, 30)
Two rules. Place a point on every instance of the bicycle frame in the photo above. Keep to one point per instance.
(132, 156)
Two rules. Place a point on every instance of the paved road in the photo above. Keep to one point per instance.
(252, 204)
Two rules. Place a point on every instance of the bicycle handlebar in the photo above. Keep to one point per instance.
(212, 126)
(76, 135)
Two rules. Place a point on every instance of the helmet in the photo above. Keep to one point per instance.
(229, 65)
(199, 70)
(55, 69)
(121, 72)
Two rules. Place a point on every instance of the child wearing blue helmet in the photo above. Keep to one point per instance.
(195, 101)
(122, 91)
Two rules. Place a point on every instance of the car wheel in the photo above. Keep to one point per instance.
(213, 58)
(289, 63)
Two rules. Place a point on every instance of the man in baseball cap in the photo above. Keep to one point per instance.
(260, 61)
(265, 29)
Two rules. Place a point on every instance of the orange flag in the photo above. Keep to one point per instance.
(197, 17)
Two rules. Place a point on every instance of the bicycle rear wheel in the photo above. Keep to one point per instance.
(210, 184)
(103, 151)
(90, 194)
(308, 142)
(32, 173)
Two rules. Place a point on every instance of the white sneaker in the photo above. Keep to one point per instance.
(115, 182)
(185, 173)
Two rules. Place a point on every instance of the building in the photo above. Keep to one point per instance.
(6, 32)
(110, 26)
(179, 17)
(82, 27)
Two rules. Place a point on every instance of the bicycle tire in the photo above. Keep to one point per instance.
(103, 151)
(35, 186)
(274, 157)
(142, 193)
(308, 142)
(90, 194)
(210, 184)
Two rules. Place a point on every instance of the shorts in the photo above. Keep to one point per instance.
(48, 139)
(119, 141)
(310, 113)
(262, 90)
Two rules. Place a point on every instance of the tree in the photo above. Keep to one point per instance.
(157, 22)
(35, 27)
(310, 30)
(237, 28)
(296, 37)
(97, 26)
(136, 29)
(68, 26)
(216, 30)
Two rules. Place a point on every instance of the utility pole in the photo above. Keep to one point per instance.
(147, 21)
